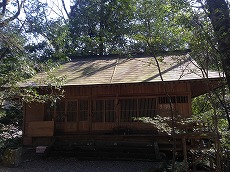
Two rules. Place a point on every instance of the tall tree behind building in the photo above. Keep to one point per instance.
(218, 12)
(99, 26)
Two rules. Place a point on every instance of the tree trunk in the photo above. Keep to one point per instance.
(220, 19)
(101, 43)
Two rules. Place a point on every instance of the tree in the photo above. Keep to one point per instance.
(157, 26)
(209, 24)
(100, 26)
(4, 20)
(218, 12)
(20, 61)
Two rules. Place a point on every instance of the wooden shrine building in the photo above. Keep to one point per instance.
(105, 96)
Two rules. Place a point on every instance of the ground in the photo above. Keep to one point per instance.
(33, 162)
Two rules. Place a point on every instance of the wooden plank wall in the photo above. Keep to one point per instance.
(133, 90)
(35, 111)
(40, 128)
(32, 112)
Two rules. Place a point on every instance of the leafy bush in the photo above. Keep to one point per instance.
(10, 128)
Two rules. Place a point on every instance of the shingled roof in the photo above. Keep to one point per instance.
(119, 69)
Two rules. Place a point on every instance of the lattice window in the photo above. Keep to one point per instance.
(182, 99)
(103, 111)
(128, 109)
(83, 110)
(98, 111)
(173, 99)
(72, 109)
(147, 107)
(109, 111)
(134, 108)
(71, 112)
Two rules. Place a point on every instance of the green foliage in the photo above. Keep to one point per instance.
(103, 27)
(161, 123)
(157, 25)
(128, 26)
(10, 126)
(204, 108)
(21, 58)
(100, 26)
(50, 38)
(15, 65)
(211, 110)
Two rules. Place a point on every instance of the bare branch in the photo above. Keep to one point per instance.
(3, 5)
(63, 4)
(56, 6)
(6, 21)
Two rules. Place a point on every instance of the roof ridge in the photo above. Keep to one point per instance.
(133, 54)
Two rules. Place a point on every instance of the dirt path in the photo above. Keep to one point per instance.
(68, 164)
(32, 162)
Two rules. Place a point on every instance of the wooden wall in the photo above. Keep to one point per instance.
(143, 89)
(136, 90)
(32, 112)
(35, 111)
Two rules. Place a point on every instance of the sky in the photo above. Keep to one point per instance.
(56, 7)
(54, 11)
